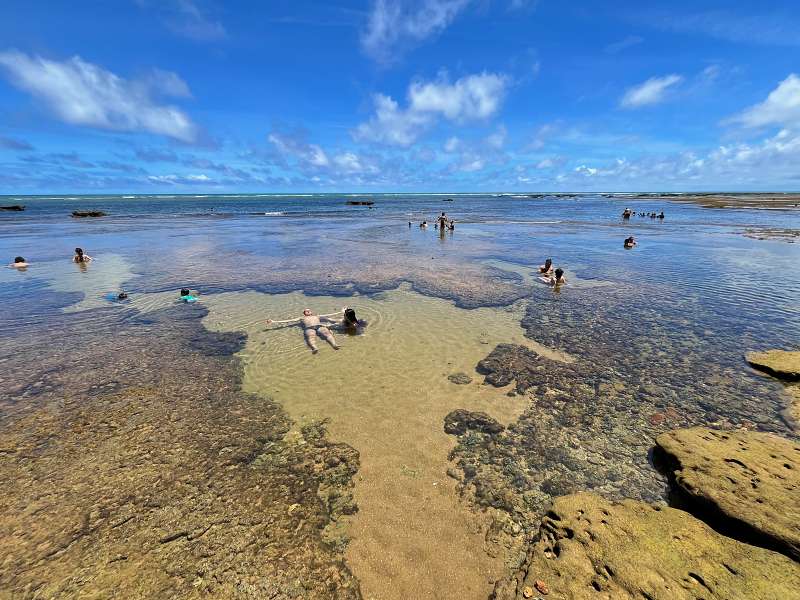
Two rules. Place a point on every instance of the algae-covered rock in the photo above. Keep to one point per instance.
(460, 421)
(750, 477)
(589, 547)
(460, 378)
(782, 364)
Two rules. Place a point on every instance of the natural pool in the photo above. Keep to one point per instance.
(636, 343)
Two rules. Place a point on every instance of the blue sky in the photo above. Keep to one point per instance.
(184, 96)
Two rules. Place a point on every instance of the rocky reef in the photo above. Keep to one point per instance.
(747, 480)
(591, 547)
(154, 475)
(783, 364)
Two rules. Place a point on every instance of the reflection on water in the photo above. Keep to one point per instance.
(386, 393)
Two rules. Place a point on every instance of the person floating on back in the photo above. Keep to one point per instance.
(629, 242)
(19, 263)
(314, 325)
(81, 256)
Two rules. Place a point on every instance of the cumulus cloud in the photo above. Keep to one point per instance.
(393, 24)
(651, 91)
(474, 97)
(81, 93)
(313, 159)
(782, 107)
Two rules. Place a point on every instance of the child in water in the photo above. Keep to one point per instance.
(629, 242)
(556, 279)
(19, 263)
(547, 267)
(187, 297)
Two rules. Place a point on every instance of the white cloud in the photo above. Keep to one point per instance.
(651, 91)
(81, 93)
(310, 154)
(452, 145)
(474, 97)
(497, 139)
(782, 106)
(393, 23)
(179, 179)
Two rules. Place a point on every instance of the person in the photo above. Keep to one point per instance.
(19, 263)
(547, 267)
(442, 221)
(313, 326)
(409, 223)
(452, 226)
(423, 225)
(116, 297)
(80, 256)
(661, 216)
(556, 279)
(626, 214)
(351, 324)
(187, 297)
(629, 242)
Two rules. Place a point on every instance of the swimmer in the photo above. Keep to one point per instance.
(556, 280)
(19, 263)
(314, 325)
(661, 216)
(351, 324)
(80, 256)
(626, 214)
(629, 242)
(423, 225)
(452, 226)
(187, 297)
(547, 267)
(114, 297)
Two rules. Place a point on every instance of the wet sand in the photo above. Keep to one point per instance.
(412, 537)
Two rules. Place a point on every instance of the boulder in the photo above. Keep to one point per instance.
(460, 421)
(783, 364)
(751, 480)
(592, 548)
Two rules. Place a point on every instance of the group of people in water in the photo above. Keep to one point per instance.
(628, 213)
(443, 223)
(80, 257)
(550, 276)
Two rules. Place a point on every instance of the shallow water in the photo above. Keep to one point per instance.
(637, 334)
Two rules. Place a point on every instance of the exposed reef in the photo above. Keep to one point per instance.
(153, 475)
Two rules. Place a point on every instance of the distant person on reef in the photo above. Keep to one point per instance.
(81, 256)
(556, 279)
(313, 326)
(661, 216)
(19, 263)
(626, 214)
(547, 267)
(629, 242)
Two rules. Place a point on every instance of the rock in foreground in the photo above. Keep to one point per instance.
(592, 548)
(750, 477)
(782, 364)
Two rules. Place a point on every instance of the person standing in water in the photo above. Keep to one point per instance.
(313, 326)
(80, 256)
(442, 221)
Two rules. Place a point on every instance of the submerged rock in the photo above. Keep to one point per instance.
(79, 214)
(748, 477)
(460, 378)
(782, 364)
(460, 421)
(589, 547)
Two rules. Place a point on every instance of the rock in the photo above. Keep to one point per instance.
(508, 362)
(527, 591)
(747, 477)
(459, 421)
(782, 364)
(460, 378)
(78, 214)
(603, 549)
(14, 207)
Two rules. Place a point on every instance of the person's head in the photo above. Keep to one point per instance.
(350, 316)
(19, 260)
(442, 213)
(122, 296)
(548, 263)
(307, 312)
(79, 251)
(186, 292)
(559, 274)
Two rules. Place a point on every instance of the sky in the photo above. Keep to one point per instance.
(206, 96)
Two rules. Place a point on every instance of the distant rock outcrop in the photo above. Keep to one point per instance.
(16, 207)
(80, 214)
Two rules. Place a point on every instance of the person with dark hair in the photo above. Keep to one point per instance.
(547, 267)
(452, 226)
(313, 326)
(80, 256)
(351, 324)
(187, 296)
(423, 225)
(629, 242)
(556, 279)
(19, 263)
(661, 216)
(442, 221)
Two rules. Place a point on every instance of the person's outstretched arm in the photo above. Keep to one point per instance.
(338, 312)
(271, 322)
